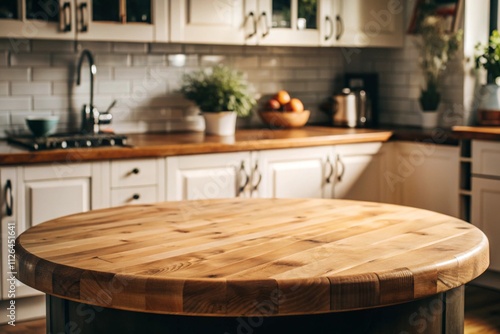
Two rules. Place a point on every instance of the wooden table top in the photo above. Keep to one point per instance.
(477, 132)
(237, 257)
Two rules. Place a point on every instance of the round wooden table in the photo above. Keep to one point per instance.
(253, 266)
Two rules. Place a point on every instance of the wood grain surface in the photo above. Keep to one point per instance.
(477, 132)
(251, 256)
(169, 144)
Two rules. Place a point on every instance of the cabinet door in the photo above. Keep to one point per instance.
(222, 22)
(118, 20)
(207, 176)
(50, 199)
(10, 218)
(485, 213)
(428, 177)
(32, 19)
(289, 22)
(360, 172)
(53, 191)
(294, 173)
(370, 23)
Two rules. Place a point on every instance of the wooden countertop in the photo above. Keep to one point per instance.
(477, 132)
(248, 256)
(162, 145)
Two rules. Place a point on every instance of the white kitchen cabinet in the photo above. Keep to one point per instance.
(360, 172)
(370, 23)
(124, 20)
(208, 176)
(213, 22)
(136, 181)
(426, 176)
(41, 193)
(120, 20)
(485, 213)
(294, 173)
(30, 19)
(485, 194)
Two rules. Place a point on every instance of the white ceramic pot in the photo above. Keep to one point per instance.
(220, 123)
(430, 119)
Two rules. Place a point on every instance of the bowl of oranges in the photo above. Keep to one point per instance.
(283, 111)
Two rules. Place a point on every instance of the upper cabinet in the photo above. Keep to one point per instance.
(107, 20)
(222, 22)
(369, 23)
(121, 20)
(37, 19)
(348, 23)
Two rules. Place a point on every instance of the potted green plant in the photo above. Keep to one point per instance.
(222, 94)
(488, 58)
(437, 47)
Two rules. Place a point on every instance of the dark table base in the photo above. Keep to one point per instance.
(443, 313)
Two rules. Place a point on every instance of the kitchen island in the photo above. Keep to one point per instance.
(253, 266)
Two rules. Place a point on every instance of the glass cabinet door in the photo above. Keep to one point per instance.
(289, 22)
(118, 20)
(31, 19)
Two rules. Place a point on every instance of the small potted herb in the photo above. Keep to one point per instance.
(222, 94)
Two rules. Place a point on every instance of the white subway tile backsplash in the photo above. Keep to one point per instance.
(15, 74)
(303, 74)
(19, 117)
(4, 58)
(212, 60)
(166, 48)
(15, 44)
(94, 47)
(4, 118)
(144, 60)
(125, 73)
(115, 60)
(28, 59)
(50, 102)
(245, 62)
(294, 62)
(113, 87)
(64, 60)
(4, 88)
(31, 88)
(51, 74)
(41, 45)
(66, 88)
(151, 87)
(15, 103)
(123, 47)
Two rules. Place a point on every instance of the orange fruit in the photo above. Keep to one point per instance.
(295, 105)
(282, 97)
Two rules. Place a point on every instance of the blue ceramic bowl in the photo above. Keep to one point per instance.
(42, 126)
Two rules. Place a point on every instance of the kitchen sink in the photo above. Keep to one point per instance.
(69, 140)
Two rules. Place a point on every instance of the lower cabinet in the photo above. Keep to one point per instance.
(208, 176)
(343, 171)
(426, 176)
(135, 181)
(34, 194)
(485, 213)
(360, 172)
(295, 173)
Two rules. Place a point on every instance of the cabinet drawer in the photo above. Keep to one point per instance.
(133, 195)
(133, 173)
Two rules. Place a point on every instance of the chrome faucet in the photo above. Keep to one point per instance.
(91, 117)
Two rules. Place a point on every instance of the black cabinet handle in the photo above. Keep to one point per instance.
(136, 196)
(332, 169)
(245, 175)
(340, 27)
(84, 17)
(251, 16)
(66, 17)
(9, 199)
(266, 25)
(135, 171)
(330, 23)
